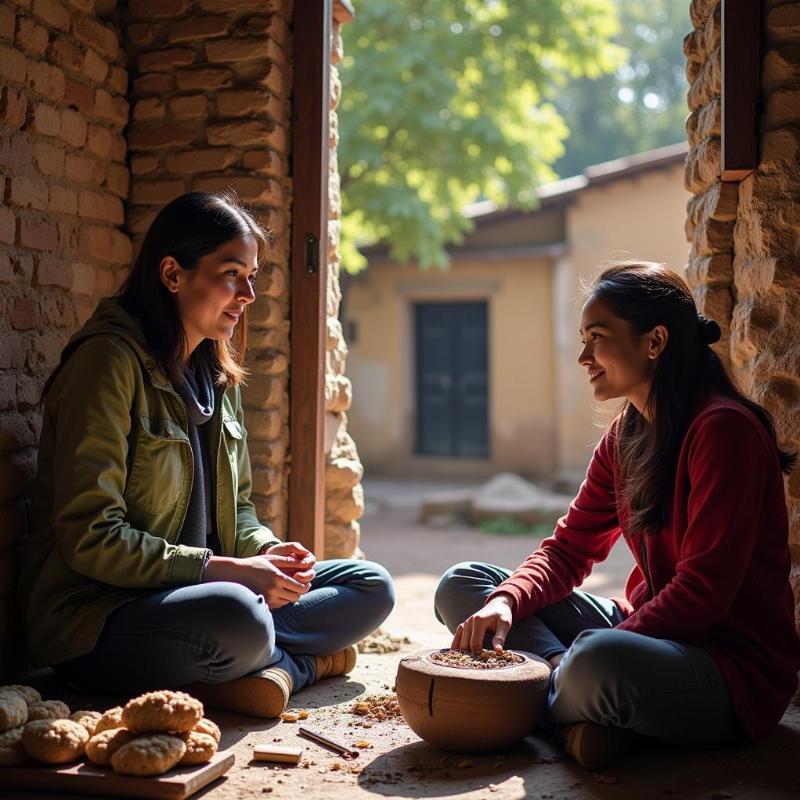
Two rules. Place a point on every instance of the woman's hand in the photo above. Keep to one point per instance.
(268, 575)
(494, 616)
(301, 565)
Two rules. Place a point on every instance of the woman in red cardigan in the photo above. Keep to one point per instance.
(703, 650)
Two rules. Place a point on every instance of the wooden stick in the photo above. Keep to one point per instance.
(272, 752)
(324, 740)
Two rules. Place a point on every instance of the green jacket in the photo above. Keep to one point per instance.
(112, 488)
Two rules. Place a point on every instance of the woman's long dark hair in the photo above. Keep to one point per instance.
(645, 295)
(189, 227)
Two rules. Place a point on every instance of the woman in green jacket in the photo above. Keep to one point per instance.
(146, 566)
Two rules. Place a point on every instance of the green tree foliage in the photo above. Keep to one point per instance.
(643, 103)
(448, 100)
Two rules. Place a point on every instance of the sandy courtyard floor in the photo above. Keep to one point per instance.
(396, 764)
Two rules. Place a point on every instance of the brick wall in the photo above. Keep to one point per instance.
(209, 93)
(210, 87)
(344, 496)
(744, 261)
(63, 179)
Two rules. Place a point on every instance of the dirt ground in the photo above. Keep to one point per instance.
(396, 764)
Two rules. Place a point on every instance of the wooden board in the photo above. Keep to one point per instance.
(84, 777)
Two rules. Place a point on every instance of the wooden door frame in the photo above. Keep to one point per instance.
(309, 271)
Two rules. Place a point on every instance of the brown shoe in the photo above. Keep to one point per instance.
(340, 663)
(593, 746)
(263, 694)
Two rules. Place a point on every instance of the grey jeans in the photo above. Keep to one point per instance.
(216, 632)
(655, 687)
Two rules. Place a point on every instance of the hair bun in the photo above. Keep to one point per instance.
(707, 330)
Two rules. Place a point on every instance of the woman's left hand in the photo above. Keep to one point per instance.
(305, 560)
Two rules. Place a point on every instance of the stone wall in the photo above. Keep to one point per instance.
(744, 262)
(63, 108)
(210, 88)
(344, 496)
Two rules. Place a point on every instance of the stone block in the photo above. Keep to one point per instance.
(13, 64)
(342, 474)
(712, 237)
(12, 351)
(245, 103)
(113, 109)
(22, 314)
(65, 53)
(780, 67)
(156, 137)
(145, 34)
(31, 38)
(703, 166)
(100, 205)
(46, 80)
(95, 241)
(140, 219)
(210, 159)
(13, 107)
(149, 108)
(52, 13)
(700, 10)
(83, 169)
(782, 109)
(28, 193)
(345, 505)
(783, 23)
(267, 162)
(265, 424)
(95, 34)
(193, 106)
(48, 159)
(341, 540)
(118, 180)
(8, 226)
(166, 60)
(779, 148)
(226, 51)
(7, 23)
(260, 191)
(38, 234)
(83, 278)
(708, 83)
(99, 141)
(118, 80)
(53, 271)
(94, 67)
(204, 79)
(197, 28)
(153, 83)
(143, 164)
(240, 134)
(79, 96)
(74, 129)
(63, 200)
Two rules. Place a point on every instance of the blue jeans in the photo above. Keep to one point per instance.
(655, 687)
(216, 632)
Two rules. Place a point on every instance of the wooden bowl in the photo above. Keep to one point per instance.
(467, 710)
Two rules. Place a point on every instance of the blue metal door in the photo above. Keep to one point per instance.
(452, 379)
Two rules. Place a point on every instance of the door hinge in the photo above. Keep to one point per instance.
(312, 255)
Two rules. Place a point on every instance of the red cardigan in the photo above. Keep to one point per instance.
(718, 572)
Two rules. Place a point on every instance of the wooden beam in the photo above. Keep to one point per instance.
(741, 67)
(308, 285)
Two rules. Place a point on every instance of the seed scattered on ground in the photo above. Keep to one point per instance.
(362, 745)
(486, 659)
(377, 707)
(380, 642)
